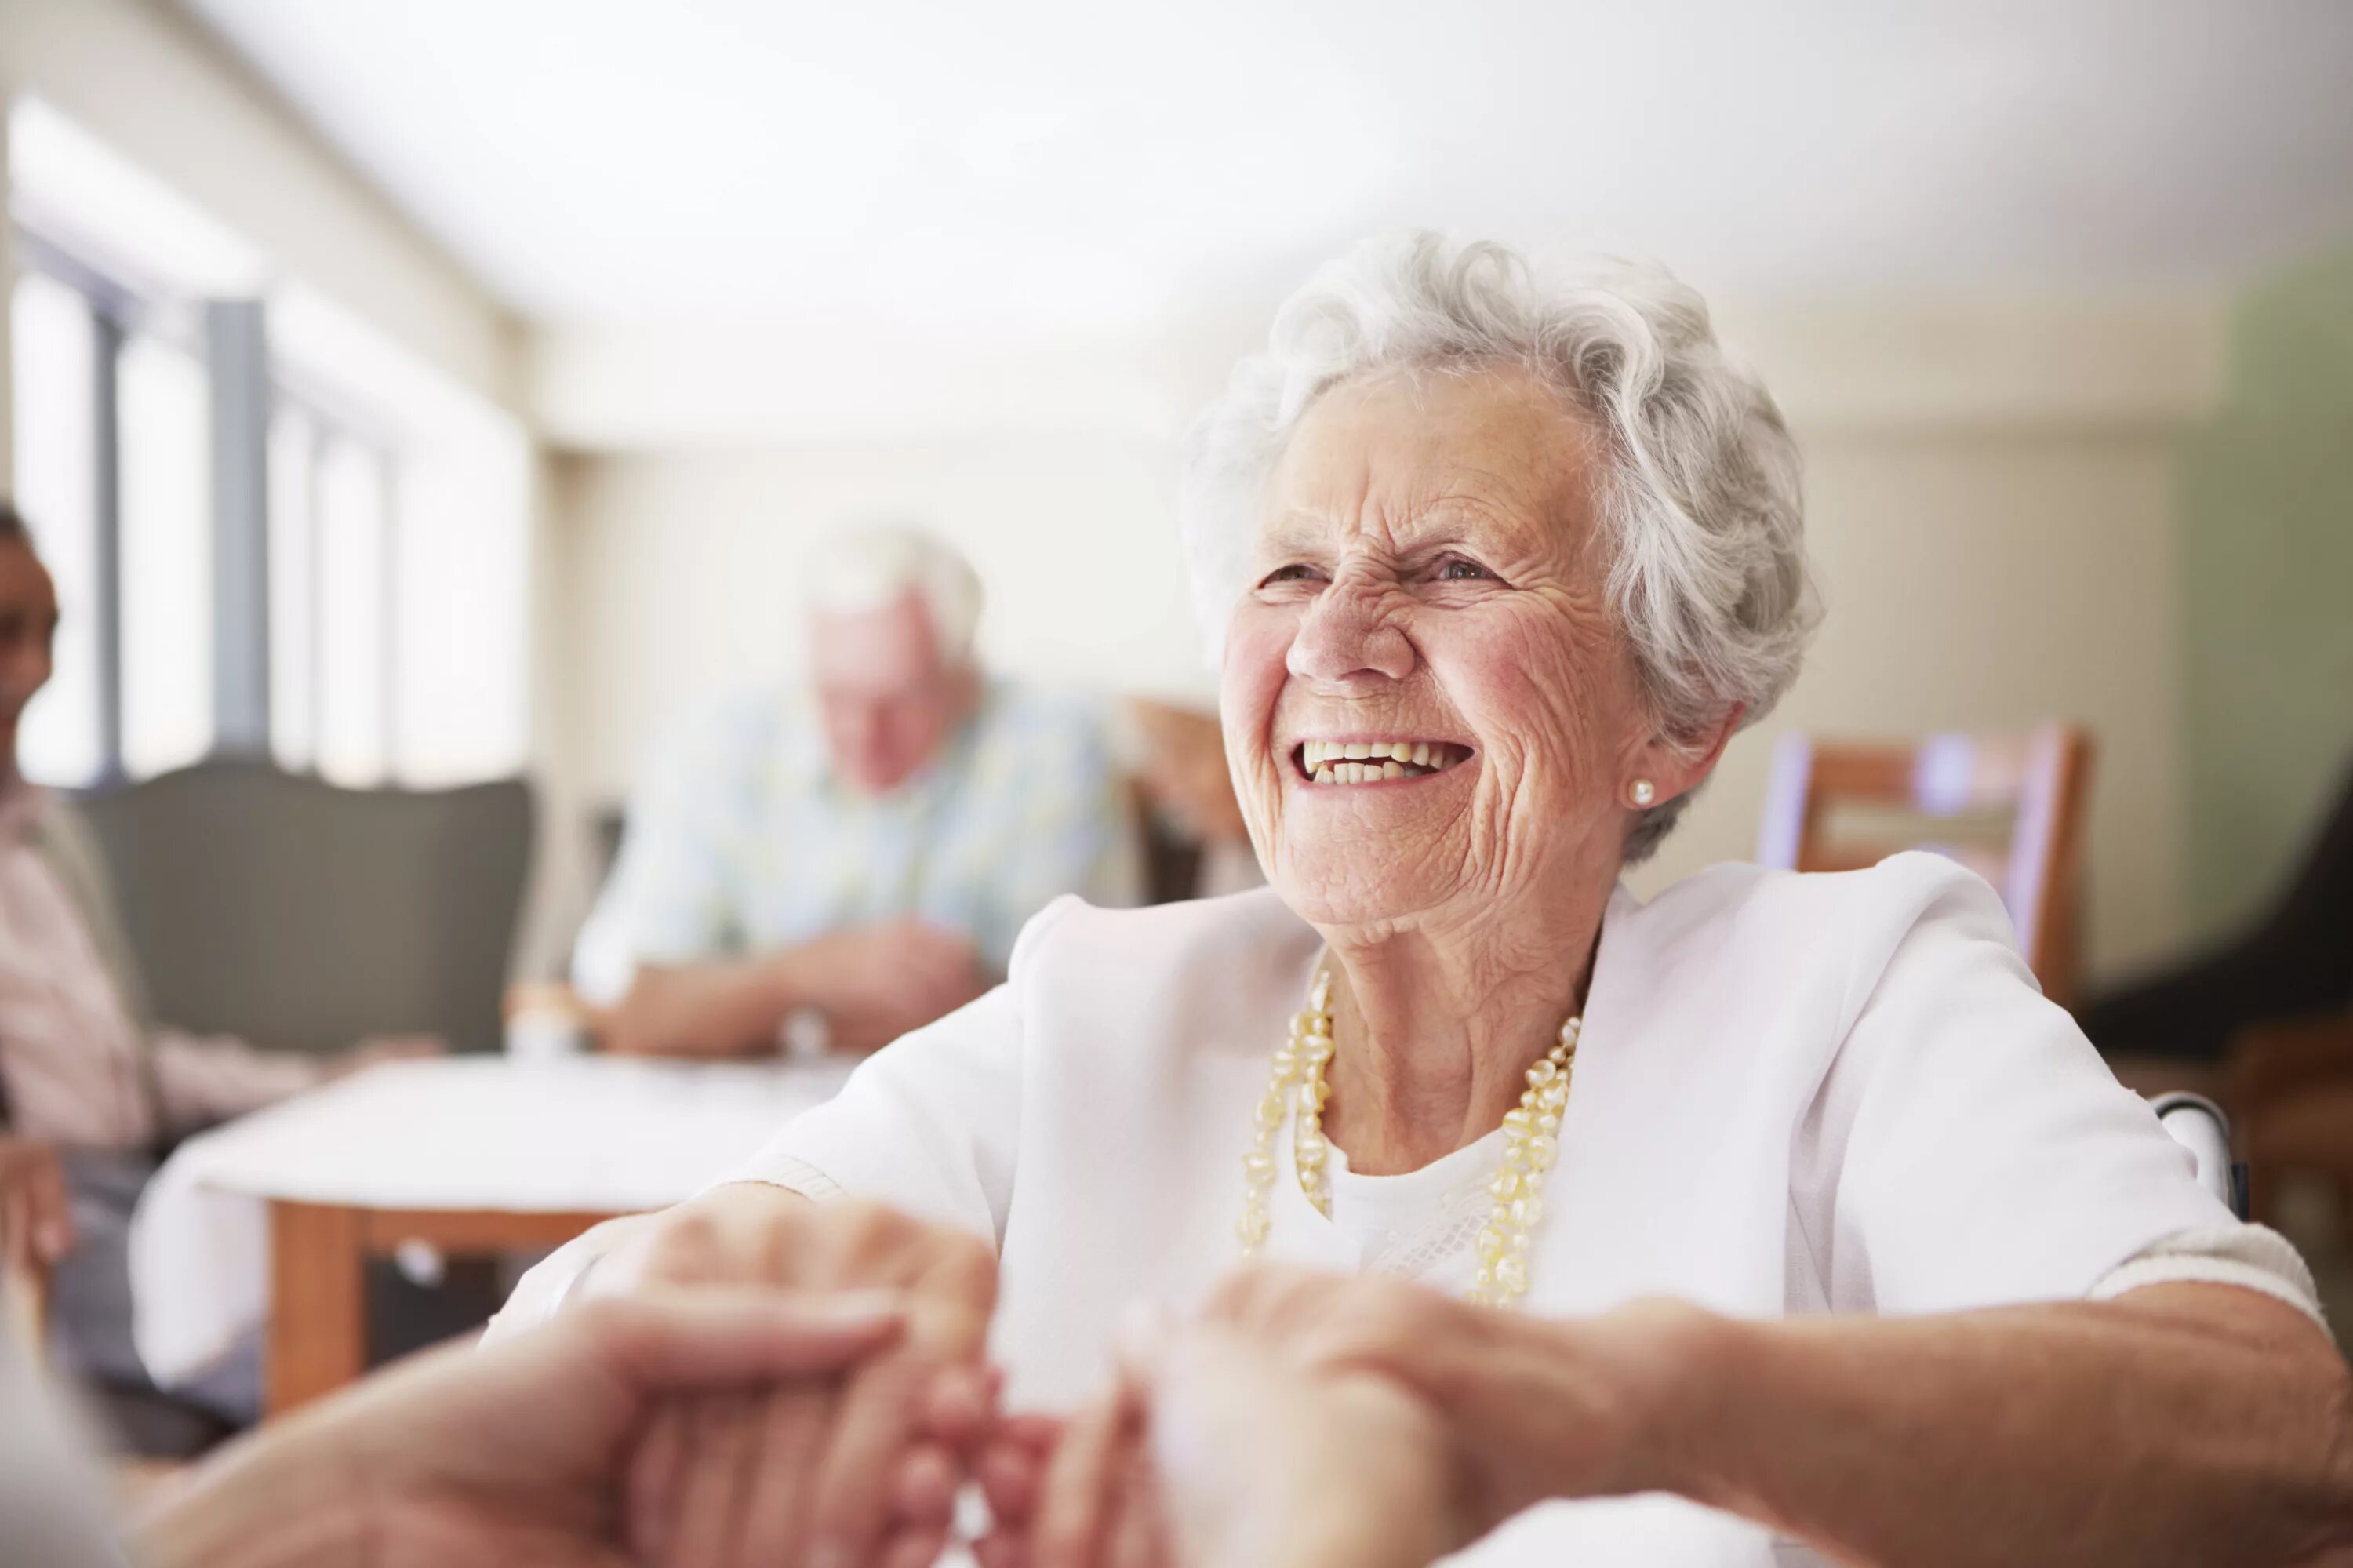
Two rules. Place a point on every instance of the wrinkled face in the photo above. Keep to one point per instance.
(28, 627)
(1428, 706)
(888, 700)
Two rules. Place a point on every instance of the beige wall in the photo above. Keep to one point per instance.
(1981, 580)
(1978, 578)
(682, 567)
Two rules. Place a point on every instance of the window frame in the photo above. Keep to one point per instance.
(122, 311)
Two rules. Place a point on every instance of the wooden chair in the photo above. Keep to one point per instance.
(2289, 1085)
(2009, 807)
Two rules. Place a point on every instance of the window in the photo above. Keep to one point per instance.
(113, 438)
(165, 413)
(56, 346)
(364, 617)
(294, 698)
(352, 536)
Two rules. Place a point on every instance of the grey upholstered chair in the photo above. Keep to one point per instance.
(297, 915)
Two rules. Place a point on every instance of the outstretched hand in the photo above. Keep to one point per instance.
(507, 1456)
(864, 1472)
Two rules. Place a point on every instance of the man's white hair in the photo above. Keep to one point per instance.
(1699, 494)
(874, 567)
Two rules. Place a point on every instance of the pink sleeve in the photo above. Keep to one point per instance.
(201, 1079)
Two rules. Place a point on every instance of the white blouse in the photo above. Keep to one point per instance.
(1793, 1094)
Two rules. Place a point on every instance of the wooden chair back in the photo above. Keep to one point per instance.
(2009, 807)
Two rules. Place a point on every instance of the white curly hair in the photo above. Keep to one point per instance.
(1699, 496)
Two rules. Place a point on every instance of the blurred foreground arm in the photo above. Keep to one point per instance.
(514, 1454)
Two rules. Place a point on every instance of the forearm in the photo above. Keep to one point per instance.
(731, 1008)
(2182, 1424)
(202, 1079)
(262, 1502)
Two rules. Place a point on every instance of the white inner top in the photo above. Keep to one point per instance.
(1421, 1224)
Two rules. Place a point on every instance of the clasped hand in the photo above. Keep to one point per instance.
(1315, 1420)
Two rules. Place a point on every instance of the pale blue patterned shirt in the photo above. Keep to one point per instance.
(742, 841)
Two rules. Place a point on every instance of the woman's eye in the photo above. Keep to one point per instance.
(1297, 572)
(1455, 570)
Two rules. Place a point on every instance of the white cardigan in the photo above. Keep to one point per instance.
(1793, 1094)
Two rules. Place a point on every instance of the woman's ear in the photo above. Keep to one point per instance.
(1673, 770)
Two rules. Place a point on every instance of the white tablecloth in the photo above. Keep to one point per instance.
(591, 1134)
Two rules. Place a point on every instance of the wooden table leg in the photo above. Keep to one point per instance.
(318, 1306)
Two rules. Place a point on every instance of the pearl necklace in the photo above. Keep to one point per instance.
(1531, 1134)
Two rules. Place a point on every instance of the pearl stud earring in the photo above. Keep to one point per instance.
(1641, 792)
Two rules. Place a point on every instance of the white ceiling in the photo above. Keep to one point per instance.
(1093, 167)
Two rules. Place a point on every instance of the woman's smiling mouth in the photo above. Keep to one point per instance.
(1374, 762)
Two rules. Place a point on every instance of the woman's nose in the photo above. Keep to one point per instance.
(1349, 637)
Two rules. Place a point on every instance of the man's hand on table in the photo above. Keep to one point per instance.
(823, 1476)
(874, 983)
(514, 1454)
(379, 1048)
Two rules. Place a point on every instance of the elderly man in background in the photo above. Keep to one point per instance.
(836, 868)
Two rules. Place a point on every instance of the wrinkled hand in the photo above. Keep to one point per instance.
(1532, 1408)
(864, 1474)
(1213, 1451)
(875, 983)
(510, 1455)
(1268, 1417)
(36, 1225)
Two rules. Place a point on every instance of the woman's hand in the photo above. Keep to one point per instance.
(1213, 1451)
(832, 1477)
(1269, 1418)
(1532, 1409)
(468, 1459)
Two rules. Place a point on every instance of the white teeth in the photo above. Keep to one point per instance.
(1369, 761)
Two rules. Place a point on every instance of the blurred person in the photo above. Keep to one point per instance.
(457, 1458)
(850, 863)
(1776, 1219)
(81, 1069)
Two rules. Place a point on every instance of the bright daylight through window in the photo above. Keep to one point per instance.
(392, 520)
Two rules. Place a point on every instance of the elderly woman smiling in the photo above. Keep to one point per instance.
(1778, 1213)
